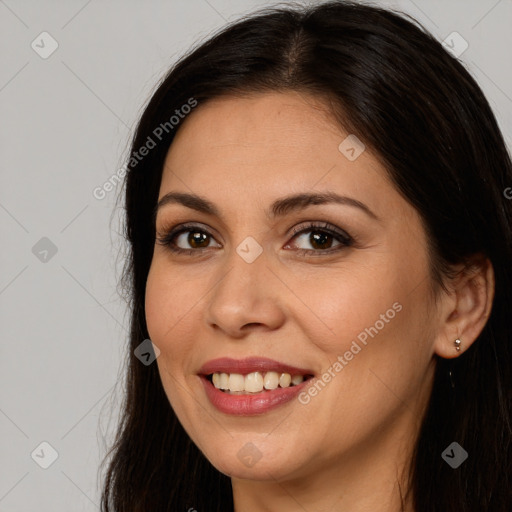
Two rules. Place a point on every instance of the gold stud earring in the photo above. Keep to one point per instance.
(457, 343)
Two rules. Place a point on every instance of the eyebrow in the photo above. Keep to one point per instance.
(279, 208)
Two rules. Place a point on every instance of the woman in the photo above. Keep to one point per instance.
(320, 256)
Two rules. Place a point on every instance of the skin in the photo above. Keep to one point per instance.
(347, 448)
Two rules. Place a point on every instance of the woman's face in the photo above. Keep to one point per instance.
(347, 301)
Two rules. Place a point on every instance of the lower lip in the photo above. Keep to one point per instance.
(248, 405)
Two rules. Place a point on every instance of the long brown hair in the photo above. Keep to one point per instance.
(416, 106)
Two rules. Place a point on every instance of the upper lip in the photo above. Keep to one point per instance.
(249, 365)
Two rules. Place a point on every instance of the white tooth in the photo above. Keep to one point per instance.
(284, 380)
(254, 382)
(271, 380)
(297, 379)
(224, 381)
(236, 382)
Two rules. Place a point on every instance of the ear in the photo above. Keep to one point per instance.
(466, 307)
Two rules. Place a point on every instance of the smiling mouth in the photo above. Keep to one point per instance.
(254, 382)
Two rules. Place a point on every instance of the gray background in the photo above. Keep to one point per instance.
(65, 126)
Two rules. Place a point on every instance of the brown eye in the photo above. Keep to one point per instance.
(321, 239)
(186, 239)
(198, 239)
(191, 239)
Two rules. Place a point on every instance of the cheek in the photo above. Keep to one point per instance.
(341, 305)
(157, 300)
(167, 302)
(376, 360)
(375, 318)
(167, 309)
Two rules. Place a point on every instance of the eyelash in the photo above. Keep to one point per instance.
(342, 237)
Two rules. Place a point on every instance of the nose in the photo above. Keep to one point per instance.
(246, 297)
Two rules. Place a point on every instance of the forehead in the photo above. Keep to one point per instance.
(235, 148)
(264, 119)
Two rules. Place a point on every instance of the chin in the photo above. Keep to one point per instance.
(251, 463)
